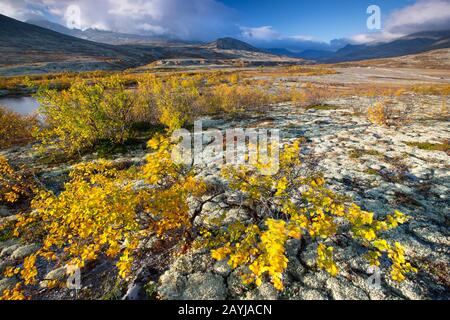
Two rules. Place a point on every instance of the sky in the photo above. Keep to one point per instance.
(292, 24)
(321, 19)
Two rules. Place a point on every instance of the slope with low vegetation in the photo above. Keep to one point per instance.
(208, 233)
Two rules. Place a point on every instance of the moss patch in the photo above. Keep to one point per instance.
(371, 171)
(445, 147)
(358, 153)
(322, 107)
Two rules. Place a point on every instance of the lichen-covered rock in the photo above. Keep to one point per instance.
(295, 269)
(315, 280)
(406, 289)
(345, 290)
(222, 268)
(8, 250)
(204, 286)
(7, 243)
(236, 288)
(193, 262)
(171, 285)
(7, 284)
(309, 255)
(264, 292)
(24, 251)
(300, 292)
(4, 211)
(58, 274)
(292, 247)
(196, 286)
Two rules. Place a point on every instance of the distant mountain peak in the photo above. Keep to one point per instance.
(228, 43)
(101, 36)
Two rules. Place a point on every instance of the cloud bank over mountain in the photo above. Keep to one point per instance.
(207, 20)
(424, 15)
(193, 19)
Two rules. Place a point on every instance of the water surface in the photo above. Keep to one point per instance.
(23, 105)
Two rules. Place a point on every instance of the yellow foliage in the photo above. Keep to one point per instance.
(14, 185)
(79, 117)
(325, 259)
(234, 98)
(14, 294)
(103, 212)
(400, 267)
(297, 206)
(377, 114)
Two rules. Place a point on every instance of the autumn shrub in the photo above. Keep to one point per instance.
(177, 102)
(310, 95)
(295, 205)
(377, 114)
(234, 98)
(77, 118)
(438, 90)
(15, 184)
(216, 78)
(60, 81)
(234, 78)
(104, 211)
(15, 129)
(309, 71)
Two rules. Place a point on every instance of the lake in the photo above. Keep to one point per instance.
(23, 105)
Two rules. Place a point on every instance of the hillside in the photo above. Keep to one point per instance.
(24, 46)
(102, 36)
(232, 44)
(434, 59)
(411, 44)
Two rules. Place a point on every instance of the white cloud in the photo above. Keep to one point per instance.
(157, 30)
(209, 19)
(21, 9)
(424, 15)
(302, 38)
(193, 19)
(260, 33)
(374, 37)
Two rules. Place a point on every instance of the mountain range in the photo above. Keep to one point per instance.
(28, 48)
(43, 46)
(410, 44)
(102, 36)
(22, 43)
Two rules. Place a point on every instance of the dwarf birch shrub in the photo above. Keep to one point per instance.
(377, 114)
(77, 118)
(291, 205)
(104, 212)
(15, 185)
(235, 98)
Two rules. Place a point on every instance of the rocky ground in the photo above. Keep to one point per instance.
(381, 168)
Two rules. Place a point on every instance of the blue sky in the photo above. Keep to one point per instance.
(322, 19)
(292, 24)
